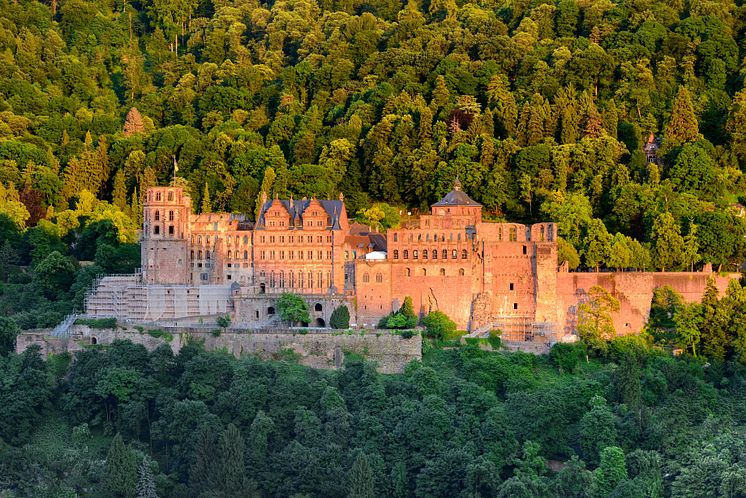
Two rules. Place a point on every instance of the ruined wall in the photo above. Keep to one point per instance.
(634, 290)
(316, 349)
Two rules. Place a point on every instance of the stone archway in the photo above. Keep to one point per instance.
(319, 322)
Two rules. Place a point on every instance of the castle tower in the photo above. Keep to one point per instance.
(165, 236)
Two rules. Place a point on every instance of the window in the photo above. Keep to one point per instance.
(170, 196)
(246, 255)
(515, 306)
(424, 272)
(191, 254)
(512, 286)
(199, 255)
(442, 272)
(424, 254)
(415, 254)
(207, 255)
(513, 234)
(524, 249)
(406, 254)
(461, 272)
(157, 216)
(454, 254)
(158, 196)
(464, 254)
(156, 230)
(541, 234)
(170, 216)
(396, 253)
(270, 311)
(170, 229)
(435, 254)
(379, 278)
(445, 253)
(317, 307)
(366, 278)
(408, 272)
(396, 237)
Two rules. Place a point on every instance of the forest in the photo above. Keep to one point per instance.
(542, 108)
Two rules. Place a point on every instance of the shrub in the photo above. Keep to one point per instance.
(293, 308)
(215, 332)
(566, 356)
(494, 339)
(438, 325)
(98, 323)
(224, 321)
(340, 318)
(408, 333)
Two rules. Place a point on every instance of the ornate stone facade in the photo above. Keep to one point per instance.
(483, 275)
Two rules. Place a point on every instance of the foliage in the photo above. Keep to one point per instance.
(292, 308)
(595, 325)
(438, 325)
(340, 318)
(224, 321)
(97, 323)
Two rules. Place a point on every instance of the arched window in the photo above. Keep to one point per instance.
(442, 272)
(246, 255)
(379, 278)
(415, 254)
(454, 254)
(199, 240)
(419, 237)
(272, 279)
(424, 254)
(191, 254)
(464, 254)
(207, 255)
(541, 234)
(424, 272)
(270, 311)
(282, 280)
(199, 255)
(396, 237)
(245, 239)
(170, 195)
(435, 254)
(366, 278)
(406, 254)
(513, 234)
(461, 272)
(157, 216)
(317, 307)
(396, 253)
(409, 272)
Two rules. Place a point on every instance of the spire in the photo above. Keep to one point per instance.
(457, 184)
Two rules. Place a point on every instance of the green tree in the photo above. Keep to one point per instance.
(340, 318)
(597, 244)
(145, 481)
(683, 126)
(597, 430)
(53, 275)
(292, 308)
(206, 202)
(120, 473)
(119, 194)
(8, 331)
(668, 244)
(595, 324)
(438, 325)
(611, 472)
(688, 321)
(361, 483)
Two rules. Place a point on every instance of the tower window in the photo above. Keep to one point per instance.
(524, 249)
(512, 286)
(515, 306)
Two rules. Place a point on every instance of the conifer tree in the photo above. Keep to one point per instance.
(147, 180)
(668, 247)
(120, 474)
(202, 471)
(135, 209)
(232, 480)
(593, 124)
(361, 478)
(611, 472)
(440, 95)
(119, 193)
(340, 318)
(206, 206)
(683, 126)
(145, 482)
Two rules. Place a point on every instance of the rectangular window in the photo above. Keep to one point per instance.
(170, 229)
(524, 249)
(511, 285)
(515, 306)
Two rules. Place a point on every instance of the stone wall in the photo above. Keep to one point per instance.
(634, 290)
(315, 349)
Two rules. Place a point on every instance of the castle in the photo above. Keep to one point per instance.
(483, 275)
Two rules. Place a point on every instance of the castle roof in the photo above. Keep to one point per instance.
(456, 197)
(296, 209)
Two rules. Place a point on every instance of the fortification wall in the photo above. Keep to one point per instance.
(317, 349)
(634, 290)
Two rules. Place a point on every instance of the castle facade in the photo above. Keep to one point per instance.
(483, 275)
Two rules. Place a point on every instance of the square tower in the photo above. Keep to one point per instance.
(165, 236)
